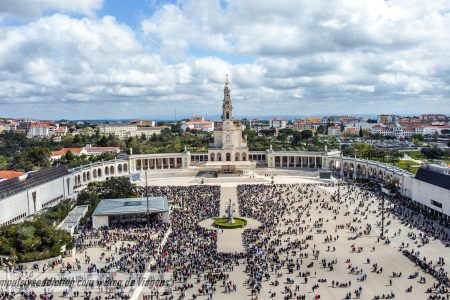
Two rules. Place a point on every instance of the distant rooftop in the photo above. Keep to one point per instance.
(8, 174)
(108, 207)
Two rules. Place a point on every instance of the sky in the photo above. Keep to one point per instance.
(121, 59)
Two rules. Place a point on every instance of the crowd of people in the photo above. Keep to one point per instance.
(292, 255)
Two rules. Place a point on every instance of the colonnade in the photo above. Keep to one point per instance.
(99, 172)
(143, 164)
(297, 161)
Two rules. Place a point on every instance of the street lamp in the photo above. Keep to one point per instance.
(382, 215)
(339, 191)
(146, 195)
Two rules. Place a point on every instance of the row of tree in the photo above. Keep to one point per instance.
(366, 151)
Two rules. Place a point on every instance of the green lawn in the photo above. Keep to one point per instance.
(407, 165)
(415, 154)
(222, 223)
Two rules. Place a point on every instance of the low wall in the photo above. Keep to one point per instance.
(39, 262)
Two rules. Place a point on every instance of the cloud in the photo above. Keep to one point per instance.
(25, 9)
(295, 57)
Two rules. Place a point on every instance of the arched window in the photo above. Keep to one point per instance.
(228, 157)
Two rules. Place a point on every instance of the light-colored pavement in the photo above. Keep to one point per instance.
(386, 256)
(230, 240)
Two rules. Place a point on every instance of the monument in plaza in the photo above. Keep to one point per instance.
(230, 209)
(228, 145)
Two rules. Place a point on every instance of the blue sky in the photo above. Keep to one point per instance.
(102, 59)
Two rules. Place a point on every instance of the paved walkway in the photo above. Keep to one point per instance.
(137, 292)
(229, 240)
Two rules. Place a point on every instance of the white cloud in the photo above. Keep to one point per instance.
(26, 9)
(284, 55)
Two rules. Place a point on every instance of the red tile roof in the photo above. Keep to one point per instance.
(10, 174)
(63, 151)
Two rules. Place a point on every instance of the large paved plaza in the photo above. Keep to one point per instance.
(303, 241)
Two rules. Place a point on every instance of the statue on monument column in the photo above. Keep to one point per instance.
(229, 208)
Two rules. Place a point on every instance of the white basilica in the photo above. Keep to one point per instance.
(228, 144)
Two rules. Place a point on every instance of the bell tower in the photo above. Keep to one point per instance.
(227, 107)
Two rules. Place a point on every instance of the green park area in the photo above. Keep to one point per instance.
(222, 223)
(38, 238)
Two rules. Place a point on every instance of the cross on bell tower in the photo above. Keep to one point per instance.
(227, 107)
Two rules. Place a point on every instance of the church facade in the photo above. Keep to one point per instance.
(228, 143)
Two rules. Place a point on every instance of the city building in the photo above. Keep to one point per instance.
(349, 130)
(149, 123)
(360, 125)
(120, 130)
(127, 130)
(88, 151)
(432, 130)
(39, 131)
(385, 119)
(334, 130)
(381, 130)
(278, 123)
(429, 119)
(198, 123)
(146, 131)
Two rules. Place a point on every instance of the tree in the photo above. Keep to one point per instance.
(102, 142)
(69, 156)
(448, 143)
(267, 132)
(321, 129)
(113, 188)
(432, 152)
(362, 149)
(3, 162)
(417, 137)
(361, 133)
(348, 150)
(395, 156)
(38, 156)
(282, 137)
(306, 134)
(297, 138)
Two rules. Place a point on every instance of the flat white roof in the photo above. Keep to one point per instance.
(108, 207)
